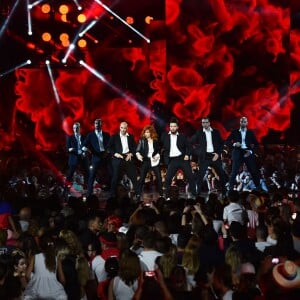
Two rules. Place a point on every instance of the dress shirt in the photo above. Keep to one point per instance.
(100, 140)
(124, 142)
(79, 151)
(243, 133)
(174, 151)
(151, 149)
(209, 144)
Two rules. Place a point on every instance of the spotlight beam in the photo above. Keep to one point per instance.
(77, 4)
(27, 62)
(142, 108)
(87, 28)
(123, 21)
(52, 82)
(29, 19)
(30, 6)
(70, 49)
(3, 27)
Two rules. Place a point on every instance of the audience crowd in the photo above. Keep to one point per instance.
(56, 243)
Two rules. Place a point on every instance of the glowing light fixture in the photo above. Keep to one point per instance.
(64, 37)
(46, 8)
(148, 19)
(63, 9)
(46, 37)
(29, 24)
(82, 43)
(81, 18)
(129, 20)
(64, 18)
(65, 43)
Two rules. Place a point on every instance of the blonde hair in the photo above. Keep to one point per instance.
(81, 266)
(72, 240)
(190, 258)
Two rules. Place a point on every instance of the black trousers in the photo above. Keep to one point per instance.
(217, 165)
(238, 158)
(145, 168)
(175, 164)
(120, 166)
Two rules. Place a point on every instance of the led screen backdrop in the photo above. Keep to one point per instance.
(145, 61)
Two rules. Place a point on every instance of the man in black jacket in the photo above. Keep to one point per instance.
(177, 152)
(122, 148)
(243, 144)
(96, 143)
(209, 145)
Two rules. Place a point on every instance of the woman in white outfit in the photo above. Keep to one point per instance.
(43, 270)
(123, 286)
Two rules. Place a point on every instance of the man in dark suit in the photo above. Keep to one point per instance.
(243, 144)
(122, 148)
(209, 145)
(76, 155)
(177, 151)
(96, 142)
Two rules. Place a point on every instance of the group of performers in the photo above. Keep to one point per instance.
(120, 153)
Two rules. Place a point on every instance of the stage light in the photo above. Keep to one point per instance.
(93, 23)
(46, 8)
(65, 43)
(81, 18)
(70, 49)
(63, 9)
(27, 62)
(129, 20)
(64, 37)
(46, 37)
(77, 4)
(47, 62)
(123, 21)
(82, 43)
(64, 18)
(30, 6)
(29, 19)
(2, 29)
(56, 96)
(148, 19)
(100, 76)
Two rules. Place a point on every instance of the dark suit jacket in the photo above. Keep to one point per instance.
(236, 136)
(72, 143)
(143, 148)
(115, 145)
(199, 140)
(182, 144)
(92, 143)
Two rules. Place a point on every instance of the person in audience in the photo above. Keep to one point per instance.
(45, 268)
(124, 285)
